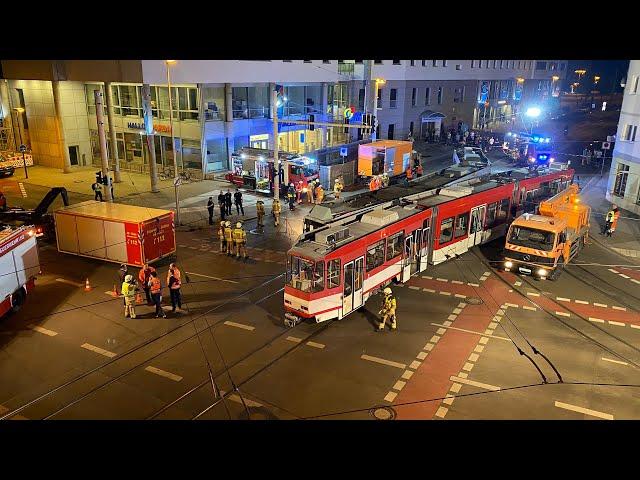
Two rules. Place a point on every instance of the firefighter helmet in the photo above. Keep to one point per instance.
(387, 291)
(227, 223)
(239, 225)
(128, 278)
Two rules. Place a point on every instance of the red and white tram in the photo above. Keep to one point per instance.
(332, 271)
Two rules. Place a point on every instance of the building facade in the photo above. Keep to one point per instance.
(623, 187)
(220, 106)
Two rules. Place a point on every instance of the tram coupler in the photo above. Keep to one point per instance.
(291, 320)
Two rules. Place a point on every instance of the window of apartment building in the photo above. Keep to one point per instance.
(396, 62)
(379, 98)
(445, 63)
(630, 133)
(440, 95)
(620, 185)
(458, 67)
(359, 62)
(458, 95)
(413, 63)
(427, 96)
(393, 97)
(553, 65)
(361, 99)
(479, 63)
(254, 102)
(414, 96)
(435, 63)
(390, 131)
(501, 63)
(486, 63)
(562, 66)
(89, 89)
(473, 63)
(495, 64)
(424, 63)
(184, 101)
(306, 61)
(378, 62)
(288, 61)
(411, 128)
(519, 63)
(541, 65)
(634, 84)
(130, 100)
(326, 61)
(213, 99)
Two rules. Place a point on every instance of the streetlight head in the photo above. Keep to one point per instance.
(171, 62)
(533, 112)
(555, 78)
(381, 81)
(19, 109)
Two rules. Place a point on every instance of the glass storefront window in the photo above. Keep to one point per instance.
(258, 102)
(217, 155)
(295, 100)
(240, 104)
(313, 98)
(191, 154)
(130, 100)
(213, 103)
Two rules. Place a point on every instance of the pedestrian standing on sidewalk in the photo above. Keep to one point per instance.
(222, 204)
(210, 206)
(173, 281)
(237, 198)
(227, 201)
(97, 190)
(155, 287)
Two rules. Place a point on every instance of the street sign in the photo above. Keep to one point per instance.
(611, 138)
(177, 182)
(606, 145)
(23, 148)
(343, 151)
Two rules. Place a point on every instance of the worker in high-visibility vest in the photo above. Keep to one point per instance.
(228, 235)
(378, 181)
(128, 290)
(337, 188)
(156, 294)
(373, 184)
(223, 241)
(260, 212)
(310, 191)
(612, 220)
(319, 194)
(240, 240)
(276, 209)
(388, 311)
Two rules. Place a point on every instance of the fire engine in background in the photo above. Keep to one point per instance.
(252, 168)
(10, 160)
(541, 245)
(19, 265)
(531, 150)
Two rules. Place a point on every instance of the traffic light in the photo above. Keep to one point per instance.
(312, 127)
(346, 122)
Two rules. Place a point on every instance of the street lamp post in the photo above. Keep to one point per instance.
(176, 180)
(378, 81)
(23, 147)
(276, 163)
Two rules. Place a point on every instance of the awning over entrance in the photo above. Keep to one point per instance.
(431, 116)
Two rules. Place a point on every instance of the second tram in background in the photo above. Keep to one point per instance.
(333, 270)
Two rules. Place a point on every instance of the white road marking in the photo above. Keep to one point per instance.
(415, 364)
(456, 311)
(458, 295)
(208, 276)
(448, 400)
(442, 412)
(473, 284)
(527, 307)
(427, 277)
(475, 333)
(452, 317)
(236, 398)
(585, 411)
(518, 283)
(316, 345)
(429, 346)
(600, 305)
(462, 305)
(635, 281)
(445, 293)
(455, 388)
(399, 385)
(487, 273)
(479, 349)
(463, 374)
(430, 290)
(294, 339)
(594, 319)
(624, 276)
(582, 302)
(442, 279)
(488, 331)
(473, 357)
(69, 282)
(613, 270)
(562, 299)
(412, 287)
(533, 294)
(446, 323)
(500, 312)
(619, 308)
(163, 373)
(407, 374)
(422, 355)
(635, 326)
(4, 410)
(511, 305)
(493, 325)
(239, 325)
(384, 362)
(457, 282)
(441, 331)
(619, 324)
(473, 383)
(51, 333)
(467, 366)
(435, 338)
(483, 340)
(99, 350)
(391, 396)
(613, 361)
(564, 314)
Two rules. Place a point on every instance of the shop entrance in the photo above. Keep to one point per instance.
(74, 154)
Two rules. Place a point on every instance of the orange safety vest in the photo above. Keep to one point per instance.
(372, 184)
(144, 276)
(409, 174)
(616, 215)
(155, 285)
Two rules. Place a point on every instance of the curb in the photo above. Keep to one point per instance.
(607, 247)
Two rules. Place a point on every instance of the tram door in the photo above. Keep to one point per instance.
(475, 226)
(408, 259)
(417, 241)
(422, 247)
(353, 283)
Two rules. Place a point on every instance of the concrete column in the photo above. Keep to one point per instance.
(150, 137)
(272, 87)
(64, 150)
(103, 141)
(325, 106)
(5, 107)
(228, 120)
(112, 133)
(203, 138)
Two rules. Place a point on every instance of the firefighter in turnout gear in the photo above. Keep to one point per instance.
(276, 209)
(128, 290)
(228, 236)
(388, 311)
(240, 240)
(260, 212)
(223, 241)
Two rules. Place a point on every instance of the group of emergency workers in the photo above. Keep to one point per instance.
(233, 241)
(152, 286)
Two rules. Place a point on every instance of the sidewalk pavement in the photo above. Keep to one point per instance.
(626, 239)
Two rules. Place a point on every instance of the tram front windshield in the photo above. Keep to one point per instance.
(532, 238)
(305, 275)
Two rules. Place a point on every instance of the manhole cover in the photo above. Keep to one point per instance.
(474, 301)
(383, 413)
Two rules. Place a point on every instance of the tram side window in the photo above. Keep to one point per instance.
(502, 211)
(446, 230)
(375, 255)
(304, 275)
(318, 277)
(462, 221)
(491, 215)
(425, 232)
(394, 245)
(333, 273)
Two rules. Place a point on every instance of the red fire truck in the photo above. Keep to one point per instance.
(19, 265)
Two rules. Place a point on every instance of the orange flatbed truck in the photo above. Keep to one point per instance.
(541, 245)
